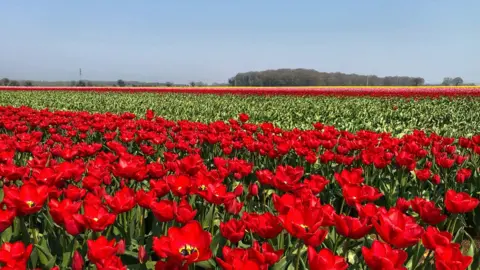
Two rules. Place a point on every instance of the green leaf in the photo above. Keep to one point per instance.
(7, 235)
(218, 241)
(208, 217)
(280, 265)
(206, 264)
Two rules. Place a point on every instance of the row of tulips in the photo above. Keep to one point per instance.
(105, 191)
(418, 91)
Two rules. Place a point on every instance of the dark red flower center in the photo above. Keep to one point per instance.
(187, 250)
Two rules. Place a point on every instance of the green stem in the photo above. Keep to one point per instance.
(416, 258)
(454, 224)
(427, 259)
(299, 253)
(213, 219)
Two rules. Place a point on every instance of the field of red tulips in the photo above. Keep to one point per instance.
(112, 191)
(378, 91)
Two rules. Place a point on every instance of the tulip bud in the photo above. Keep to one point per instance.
(121, 247)
(142, 254)
(77, 261)
(149, 114)
(436, 179)
(243, 117)
(253, 190)
(238, 190)
(55, 268)
(428, 164)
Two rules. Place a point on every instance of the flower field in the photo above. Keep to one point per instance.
(377, 91)
(180, 181)
(446, 116)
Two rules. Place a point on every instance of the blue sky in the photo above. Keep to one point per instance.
(212, 40)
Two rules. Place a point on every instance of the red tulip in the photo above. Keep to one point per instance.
(402, 204)
(460, 202)
(233, 230)
(179, 185)
(265, 254)
(427, 211)
(265, 225)
(77, 261)
(145, 199)
(65, 213)
(164, 210)
(120, 247)
(101, 249)
(14, 256)
(243, 117)
(381, 257)
(451, 258)
(97, 216)
(74, 193)
(160, 187)
(305, 224)
(27, 200)
(346, 177)
(354, 194)
(325, 259)
(423, 175)
(142, 254)
(238, 259)
(316, 183)
(123, 200)
(433, 238)
(188, 244)
(6, 219)
(131, 167)
(462, 175)
(367, 211)
(397, 229)
(253, 190)
(238, 191)
(354, 228)
(184, 212)
(149, 114)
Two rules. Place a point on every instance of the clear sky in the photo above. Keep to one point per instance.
(212, 40)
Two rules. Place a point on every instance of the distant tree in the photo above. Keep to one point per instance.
(447, 81)
(457, 81)
(89, 83)
(14, 83)
(200, 84)
(310, 77)
(192, 84)
(418, 81)
(5, 81)
(28, 83)
(169, 84)
(73, 83)
(121, 83)
(81, 83)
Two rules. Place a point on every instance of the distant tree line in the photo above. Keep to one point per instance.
(310, 77)
(279, 77)
(448, 81)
